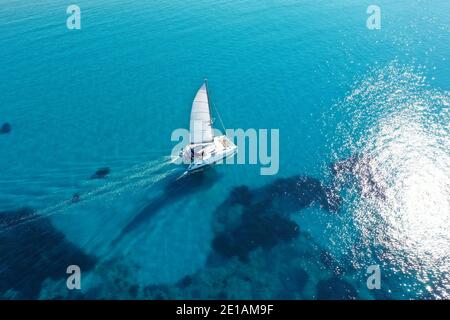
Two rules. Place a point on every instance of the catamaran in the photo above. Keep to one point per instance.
(204, 148)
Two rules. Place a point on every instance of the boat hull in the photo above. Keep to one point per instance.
(199, 166)
(220, 149)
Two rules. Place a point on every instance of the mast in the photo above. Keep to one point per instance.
(209, 102)
(209, 106)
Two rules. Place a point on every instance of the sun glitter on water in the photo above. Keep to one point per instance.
(402, 129)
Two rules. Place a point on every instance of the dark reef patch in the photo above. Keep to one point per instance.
(5, 128)
(185, 282)
(259, 218)
(286, 195)
(335, 289)
(31, 251)
(345, 166)
(76, 198)
(101, 173)
(258, 229)
(359, 169)
(298, 192)
(240, 195)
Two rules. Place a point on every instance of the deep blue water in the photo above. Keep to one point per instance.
(376, 102)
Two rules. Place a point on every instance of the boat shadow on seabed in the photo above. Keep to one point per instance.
(176, 189)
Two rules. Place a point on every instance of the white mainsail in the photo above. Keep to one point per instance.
(204, 149)
(200, 125)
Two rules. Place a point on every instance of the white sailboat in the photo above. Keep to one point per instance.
(204, 148)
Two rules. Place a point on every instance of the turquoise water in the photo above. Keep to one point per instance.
(110, 95)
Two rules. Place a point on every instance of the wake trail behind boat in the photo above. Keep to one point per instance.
(140, 176)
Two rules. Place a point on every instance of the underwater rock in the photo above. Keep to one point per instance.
(263, 220)
(185, 282)
(257, 230)
(5, 128)
(76, 198)
(335, 289)
(31, 251)
(298, 192)
(101, 173)
(288, 195)
(361, 168)
(345, 166)
(241, 195)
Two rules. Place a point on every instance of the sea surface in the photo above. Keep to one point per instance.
(364, 150)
